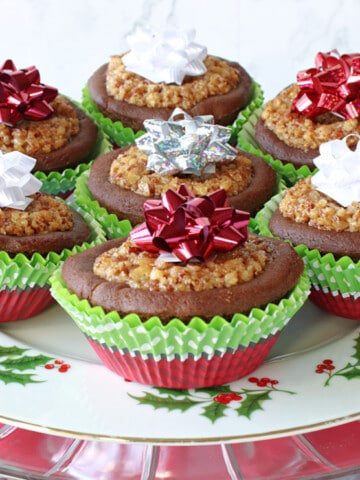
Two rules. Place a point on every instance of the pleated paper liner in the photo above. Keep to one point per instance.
(246, 141)
(24, 282)
(176, 355)
(111, 224)
(335, 283)
(123, 136)
(62, 183)
(119, 135)
(255, 105)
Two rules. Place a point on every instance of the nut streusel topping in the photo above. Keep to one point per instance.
(31, 137)
(137, 269)
(45, 214)
(304, 204)
(220, 78)
(299, 131)
(129, 171)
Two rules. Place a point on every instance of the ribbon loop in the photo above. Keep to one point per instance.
(332, 86)
(16, 181)
(339, 171)
(189, 145)
(167, 55)
(22, 96)
(189, 228)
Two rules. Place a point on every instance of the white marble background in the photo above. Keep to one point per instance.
(273, 39)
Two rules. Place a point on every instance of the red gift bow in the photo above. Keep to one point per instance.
(191, 228)
(332, 86)
(22, 96)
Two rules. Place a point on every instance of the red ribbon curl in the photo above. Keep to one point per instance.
(191, 228)
(22, 96)
(332, 86)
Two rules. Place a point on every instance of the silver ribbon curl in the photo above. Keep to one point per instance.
(190, 145)
(16, 181)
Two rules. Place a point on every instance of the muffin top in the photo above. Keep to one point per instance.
(145, 270)
(303, 203)
(299, 131)
(129, 170)
(220, 78)
(40, 137)
(323, 105)
(43, 215)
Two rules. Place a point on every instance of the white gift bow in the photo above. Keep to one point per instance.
(167, 55)
(16, 181)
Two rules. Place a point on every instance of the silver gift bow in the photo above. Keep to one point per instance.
(190, 145)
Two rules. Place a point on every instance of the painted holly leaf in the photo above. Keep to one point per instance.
(25, 362)
(213, 391)
(173, 393)
(8, 376)
(357, 349)
(168, 401)
(214, 411)
(349, 371)
(252, 402)
(14, 350)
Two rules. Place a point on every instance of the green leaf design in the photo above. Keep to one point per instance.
(214, 411)
(213, 391)
(169, 402)
(357, 349)
(14, 350)
(25, 362)
(8, 376)
(350, 374)
(252, 402)
(173, 393)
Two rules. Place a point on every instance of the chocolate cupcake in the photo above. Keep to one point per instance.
(188, 299)
(37, 232)
(37, 121)
(192, 151)
(162, 71)
(320, 215)
(321, 106)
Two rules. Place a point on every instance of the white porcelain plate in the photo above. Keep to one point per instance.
(51, 381)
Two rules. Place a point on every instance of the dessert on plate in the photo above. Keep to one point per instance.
(323, 105)
(182, 150)
(320, 215)
(166, 69)
(38, 121)
(37, 232)
(189, 298)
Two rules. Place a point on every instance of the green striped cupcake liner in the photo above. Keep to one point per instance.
(151, 337)
(118, 134)
(22, 272)
(338, 275)
(111, 224)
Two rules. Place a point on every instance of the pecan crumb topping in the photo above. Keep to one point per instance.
(43, 215)
(128, 264)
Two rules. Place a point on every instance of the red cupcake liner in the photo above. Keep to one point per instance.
(188, 373)
(21, 304)
(341, 305)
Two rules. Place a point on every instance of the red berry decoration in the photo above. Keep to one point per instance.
(326, 364)
(64, 368)
(226, 398)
